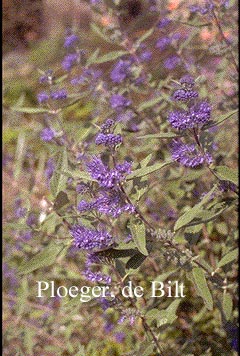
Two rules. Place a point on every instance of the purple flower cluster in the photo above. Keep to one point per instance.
(187, 81)
(163, 43)
(121, 71)
(50, 167)
(225, 186)
(59, 94)
(184, 95)
(120, 336)
(118, 101)
(55, 95)
(82, 188)
(106, 137)
(172, 62)
(145, 56)
(225, 3)
(92, 258)
(198, 115)
(207, 8)
(109, 202)
(47, 77)
(108, 327)
(90, 239)
(47, 134)
(105, 177)
(108, 302)
(95, 2)
(186, 92)
(188, 154)
(20, 212)
(108, 140)
(129, 314)
(97, 277)
(126, 116)
(89, 76)
(10, 274)
(42, 97)
(26, 235)
(107, 125)
(70, 40)
(70, 60)
(163, 22)
(31, 220)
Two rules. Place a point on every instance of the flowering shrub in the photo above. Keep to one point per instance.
(139, 189)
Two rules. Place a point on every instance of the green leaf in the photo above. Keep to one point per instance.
(135, 261)
(202, 287)
(145, 36)
(226, 173)
(171, 310)
(120, 268)
(61, 200)
(111, 56)
(78, 175)
(164, 316)
(10, 134)
(43, 259)
(204, 264)
(220, 120)
(152, 314)
(227, 305)
(22, 294)
(192, 176)
(141, 172)
(20, 154)
(116, 253)
(61, 79)
(147, 351)
(139, 235)
(30, 110)
(160, 135)
(77, 99)
(193, 212)
(222, 228)
(162, 277)
(139, 193)
(205, 215)
(49, 224)
(28, 340)
(139, 23)
(193, 24)
(229, 257)
(192, 234)
(59, 180)
(81, 351)
(112, 4)
(99, 32)
(93, 57)
(16, 226)
(19, 103)
(145, 161)
(150, 103)
(188, 42)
